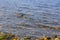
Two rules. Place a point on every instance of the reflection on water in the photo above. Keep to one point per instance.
(24, 17)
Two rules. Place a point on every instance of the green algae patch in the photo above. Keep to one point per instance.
(2, 37)
(5, 36)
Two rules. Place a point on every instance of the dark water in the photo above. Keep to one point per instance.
(37, 12)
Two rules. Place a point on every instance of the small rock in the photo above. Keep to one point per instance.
(20, 15)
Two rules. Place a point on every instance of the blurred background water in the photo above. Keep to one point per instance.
(43, 12)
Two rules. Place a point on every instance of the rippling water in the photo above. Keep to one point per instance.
(36, 13)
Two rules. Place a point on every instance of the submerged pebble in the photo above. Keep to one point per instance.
(19, 15)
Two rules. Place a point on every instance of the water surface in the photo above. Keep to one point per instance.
(42, 12)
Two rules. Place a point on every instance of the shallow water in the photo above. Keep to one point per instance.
(37, 13)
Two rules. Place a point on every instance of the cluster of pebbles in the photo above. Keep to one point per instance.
(8, 36)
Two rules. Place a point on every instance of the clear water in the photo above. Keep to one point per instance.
(43, 12)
